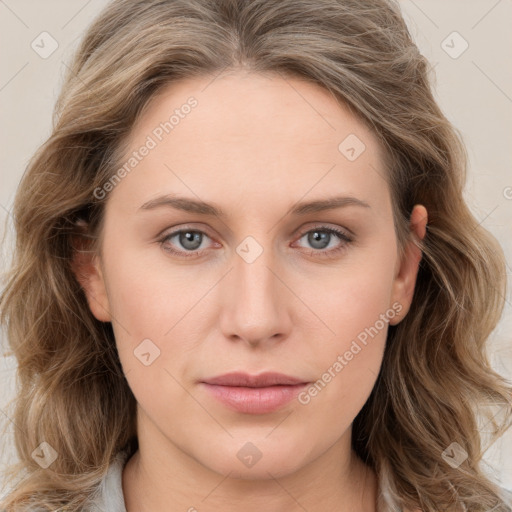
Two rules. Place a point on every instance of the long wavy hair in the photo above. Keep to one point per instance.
(436, 382)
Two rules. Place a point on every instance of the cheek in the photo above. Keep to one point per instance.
(347, 359)
(351, 296)
(148, 293)
(346, 367)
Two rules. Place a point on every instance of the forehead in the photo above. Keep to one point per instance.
(251, 138)
(254, 107)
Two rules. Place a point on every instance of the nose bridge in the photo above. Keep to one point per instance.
(254, 305)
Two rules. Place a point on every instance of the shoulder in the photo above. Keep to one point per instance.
(109, 493)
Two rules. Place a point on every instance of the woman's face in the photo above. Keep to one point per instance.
(256, 282)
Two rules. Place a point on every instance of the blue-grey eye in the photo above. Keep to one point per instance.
(319, 239)
(190, 240)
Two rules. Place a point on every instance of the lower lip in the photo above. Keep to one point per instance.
(255, 400)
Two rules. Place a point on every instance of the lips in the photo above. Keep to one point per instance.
(254, 381)
(254, 394)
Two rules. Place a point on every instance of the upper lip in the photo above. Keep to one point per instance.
(254, 381)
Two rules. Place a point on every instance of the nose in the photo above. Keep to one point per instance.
(255, 302)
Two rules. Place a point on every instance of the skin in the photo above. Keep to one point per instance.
(255, 146)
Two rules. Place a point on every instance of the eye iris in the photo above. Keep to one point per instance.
(321, 236)
(189, 239)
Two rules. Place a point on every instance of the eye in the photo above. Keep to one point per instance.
(189, 240)
(321, 237)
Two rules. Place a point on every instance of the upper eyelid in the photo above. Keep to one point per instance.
(297, 233)
(324, 225)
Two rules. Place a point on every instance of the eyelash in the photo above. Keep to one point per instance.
(342, 236)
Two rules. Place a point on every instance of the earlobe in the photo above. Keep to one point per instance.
(405, 279)
(87, 270)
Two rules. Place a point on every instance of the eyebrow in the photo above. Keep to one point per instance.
(203, 208)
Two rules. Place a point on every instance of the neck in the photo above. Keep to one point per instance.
(169, 480)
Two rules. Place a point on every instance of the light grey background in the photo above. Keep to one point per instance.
(474, 90)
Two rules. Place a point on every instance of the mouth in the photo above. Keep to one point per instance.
(254, 394)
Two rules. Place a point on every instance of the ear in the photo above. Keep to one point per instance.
(86, 267)
(405, 278)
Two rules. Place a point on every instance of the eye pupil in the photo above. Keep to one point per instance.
(189, 239)
(319, 236)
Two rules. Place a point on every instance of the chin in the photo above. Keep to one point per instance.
(240, 466)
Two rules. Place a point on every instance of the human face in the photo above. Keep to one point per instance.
(260, 292)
